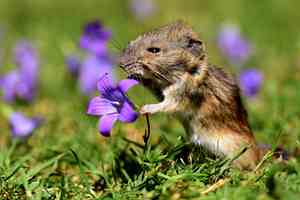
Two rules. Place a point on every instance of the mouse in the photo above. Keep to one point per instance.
(172, 62)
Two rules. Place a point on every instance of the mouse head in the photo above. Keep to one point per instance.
(164, 54)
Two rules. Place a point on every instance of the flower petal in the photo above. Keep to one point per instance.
(106, 123)
(127, 113)
(98, 47)
(93, 45)
(23, 126)
(94, 38)
(126, 84)
(92, 69)
(105, 85)
(100, 106)
(250, 81)
(27, 60)
(233, 45)
(8, 85)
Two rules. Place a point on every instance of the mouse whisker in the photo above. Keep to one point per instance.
(160, 74)
(167, 74)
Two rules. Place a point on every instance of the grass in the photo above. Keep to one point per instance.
(67, 159)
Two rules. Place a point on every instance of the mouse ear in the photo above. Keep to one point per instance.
(195, 46)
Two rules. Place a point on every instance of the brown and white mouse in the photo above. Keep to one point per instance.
(172, 62)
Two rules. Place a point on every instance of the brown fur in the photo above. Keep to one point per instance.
(203, 97)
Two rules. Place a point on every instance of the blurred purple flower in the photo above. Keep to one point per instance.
(113, 104)
(93, 67)
(94, 38)
(142, 9)
(22, 126)
(27, 61)
(8, 85)
(21, 82)
(73, 64)
(250, 82)
(233, 45)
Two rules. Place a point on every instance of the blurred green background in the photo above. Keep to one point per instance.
(55, 26)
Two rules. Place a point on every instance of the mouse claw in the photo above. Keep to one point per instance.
(143, 110)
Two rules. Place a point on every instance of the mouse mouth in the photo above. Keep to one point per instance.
(143, 74)
(136, 77)
(133, 70)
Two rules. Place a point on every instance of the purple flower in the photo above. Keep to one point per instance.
(73, 64)
(27, 60)
(113, 104)
(93, 67)
(8, 85)
(142, 9)
(233, 45)
(22, 126)
(21, 82)
(94, 38)
(250, 82)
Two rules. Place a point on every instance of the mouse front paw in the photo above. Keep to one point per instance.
(148, 109)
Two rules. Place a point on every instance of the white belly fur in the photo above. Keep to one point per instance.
(216, 143)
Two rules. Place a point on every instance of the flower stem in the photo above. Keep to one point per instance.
(147, 133)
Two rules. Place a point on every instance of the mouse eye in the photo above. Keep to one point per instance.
(153, 49)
